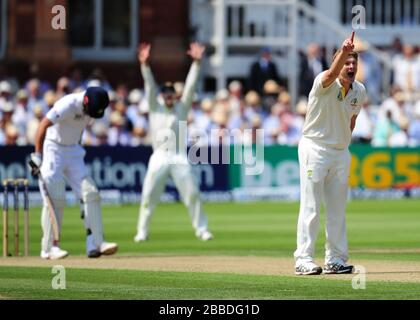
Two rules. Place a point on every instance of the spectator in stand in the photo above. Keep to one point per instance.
(219, 134)
(88, 136)
(5, 91)
(49, 99)
(135, 115)
(254, 135)
(396, 47)
(311, 64)
(398, 105)
(300, 115)
(363, 131)
(369, 71)
(134, 99)
(21, 115)
(271, 93)
(140, 125)
(195, 108)
(400, 137)
(122, 92)
(272, 125)
(144, 112)
(100, 131)
(6, 109)
(414, 127)
(4, 76)
(222, 104)
(384, 129)
(235, 97)
(117, 133)
(253, 106)
(63, 87)
(11, 135)
(121, 108)
(262, 70)
(407, 70)
(203, 119)
(35, 97)
(33, 124)
(43, 85)
(292, 122)
(239, 120)
(111, 108)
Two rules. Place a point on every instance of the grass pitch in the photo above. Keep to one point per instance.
(378, 231)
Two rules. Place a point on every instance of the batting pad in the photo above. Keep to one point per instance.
(57, 192)
(92, 210)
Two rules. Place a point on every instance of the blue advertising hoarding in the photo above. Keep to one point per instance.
(119, 173)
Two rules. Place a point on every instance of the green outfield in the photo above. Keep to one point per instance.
(383, 235)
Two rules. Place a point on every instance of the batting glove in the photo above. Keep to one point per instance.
(35, 163)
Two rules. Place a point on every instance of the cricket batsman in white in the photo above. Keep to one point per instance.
(60, 158)
(169, 156)
(334, 103)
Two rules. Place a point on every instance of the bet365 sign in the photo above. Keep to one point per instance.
(385, 167)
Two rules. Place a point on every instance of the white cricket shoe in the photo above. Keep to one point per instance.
(204, 235)
(141, 237)
(54, 254)
(108, 248)
(44, 254)
(308, 268)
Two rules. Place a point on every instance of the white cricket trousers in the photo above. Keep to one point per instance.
(161, 165)
(60, 164)
(324, 174)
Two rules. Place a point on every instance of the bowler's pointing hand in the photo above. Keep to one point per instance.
(348, 45)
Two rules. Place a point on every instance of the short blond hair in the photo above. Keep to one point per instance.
(353, 54)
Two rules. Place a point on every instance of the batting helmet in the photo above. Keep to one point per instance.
(95, 102)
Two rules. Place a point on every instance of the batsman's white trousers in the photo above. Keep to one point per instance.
(59, 164)
(324, 174)
(64, 162)
(161, 165)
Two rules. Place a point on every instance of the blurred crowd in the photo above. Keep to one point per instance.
(231, 115)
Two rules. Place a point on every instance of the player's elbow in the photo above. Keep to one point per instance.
(44, 125)
(331, 74)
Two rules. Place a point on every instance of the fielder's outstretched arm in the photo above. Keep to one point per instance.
(333, 72)
(196, 52)
(146, 72)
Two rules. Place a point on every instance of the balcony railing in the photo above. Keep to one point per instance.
(238, 28)
(401, 13)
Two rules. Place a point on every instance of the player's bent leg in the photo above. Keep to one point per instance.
(56, 189)
(187, 187)
(153, 187)
(96, 245)
(150, 198)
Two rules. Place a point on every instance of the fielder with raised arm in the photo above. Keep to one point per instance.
(169, 157)
(60, 157)
(334, 103)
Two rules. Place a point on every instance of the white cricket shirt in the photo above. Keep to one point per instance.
(69, 120)
(329, 113)
(168, 126)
